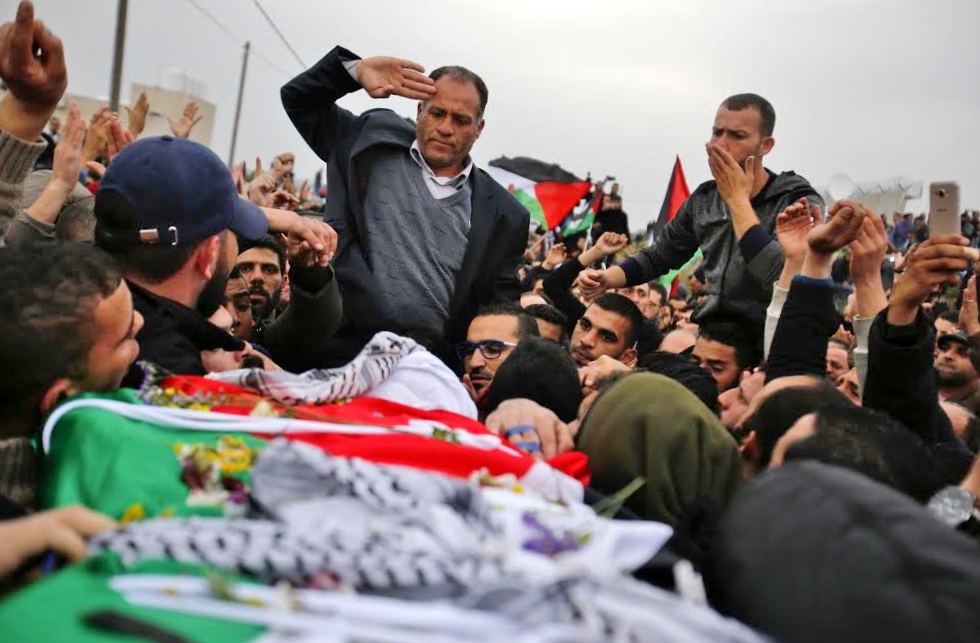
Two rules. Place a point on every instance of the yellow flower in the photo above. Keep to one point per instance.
(134, 513)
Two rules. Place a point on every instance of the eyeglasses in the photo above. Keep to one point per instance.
(490, 348)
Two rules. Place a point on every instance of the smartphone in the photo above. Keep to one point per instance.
(944, 208)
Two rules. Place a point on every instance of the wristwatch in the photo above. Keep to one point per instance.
(955, 507)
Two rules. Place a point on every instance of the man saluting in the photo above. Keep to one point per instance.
(425, 237)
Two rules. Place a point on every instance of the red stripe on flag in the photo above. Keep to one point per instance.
(558, 199)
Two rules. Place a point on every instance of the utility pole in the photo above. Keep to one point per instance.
(238, 107)
(117, 58)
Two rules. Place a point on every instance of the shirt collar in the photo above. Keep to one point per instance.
(454, 181)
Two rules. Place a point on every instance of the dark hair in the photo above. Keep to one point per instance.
(542, 372)
(845, 346)
(659, 287)
(154, 264)
(952, 316)
(624, 307)
(738, 102)
(542, 295)
(526, 326)
(547, 313)
(740, 335)
(269, 243)
(76, 221)
(47, 314)
(781, 411)
(682, 369)
(464, 75)
(873, 444)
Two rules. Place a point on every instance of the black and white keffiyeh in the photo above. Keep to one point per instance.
(372, 366)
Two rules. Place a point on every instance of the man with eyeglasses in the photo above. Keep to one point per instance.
(491, 338)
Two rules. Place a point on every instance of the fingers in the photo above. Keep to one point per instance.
(190, 110)
(258, 166)
(96, 167)
(22, 35)
(410, 65)
(816, 213)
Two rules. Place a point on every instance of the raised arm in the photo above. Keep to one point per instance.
(310, 98)
(901, 381)
(799, 346)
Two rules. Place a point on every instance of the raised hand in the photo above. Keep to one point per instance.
(734, 183)
(610, 243)
(842, 227)
(793, 225)
(68, 152)
(238, 178)
(556, 255)
(282, 165)
(182, 128)
(118, 137)
(531, 428)
(868, 250)
(32, 64)
(384, 76)
(97, 135)
(969, 314)
(137, 115)
(937, 261)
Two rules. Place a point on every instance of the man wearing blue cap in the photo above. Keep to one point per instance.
(426, 237)
(168, 211)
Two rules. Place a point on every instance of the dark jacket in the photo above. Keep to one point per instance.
(902, 382)
(808, 321)
(173, 336)
(811, 553)
(313, 315)
(740, 275)
(499, 224)
(558, 286)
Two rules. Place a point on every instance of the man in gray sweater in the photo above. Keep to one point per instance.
(426, 238)
(732, 219)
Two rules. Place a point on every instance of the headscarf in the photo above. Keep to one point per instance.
(650, 426)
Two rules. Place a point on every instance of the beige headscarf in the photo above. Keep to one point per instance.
(651, 426)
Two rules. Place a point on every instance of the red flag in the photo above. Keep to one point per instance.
(677, 193)
(559, 199)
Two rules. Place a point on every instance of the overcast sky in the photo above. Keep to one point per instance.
(871, 88)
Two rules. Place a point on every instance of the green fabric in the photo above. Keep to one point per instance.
(51, 610)
(533, 206)
(667, 280)
(651, 426)
(114, 464)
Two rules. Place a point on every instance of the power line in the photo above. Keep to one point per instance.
(235, 37)
(279, 33)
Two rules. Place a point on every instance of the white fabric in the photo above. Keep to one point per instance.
(772, 316)
(862, 330)
(440, 187)
(423, 381)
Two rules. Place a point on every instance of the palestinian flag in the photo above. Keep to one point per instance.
(547, 191)
(129, 460)
(677, 193)
(582, 218)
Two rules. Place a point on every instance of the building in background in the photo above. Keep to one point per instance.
(167, 100)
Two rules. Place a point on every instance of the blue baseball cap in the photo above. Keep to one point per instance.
(170, 191)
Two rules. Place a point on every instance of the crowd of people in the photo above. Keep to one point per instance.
(800, 409)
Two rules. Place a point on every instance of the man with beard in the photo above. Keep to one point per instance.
(732, 219)
(958, 379)
(169, 213)
(610, 327)
(263, 266)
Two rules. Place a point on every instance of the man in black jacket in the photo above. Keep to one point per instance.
(732, 219)
(425, 237)
(168, 212)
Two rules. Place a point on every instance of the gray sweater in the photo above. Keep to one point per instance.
(416, 242)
